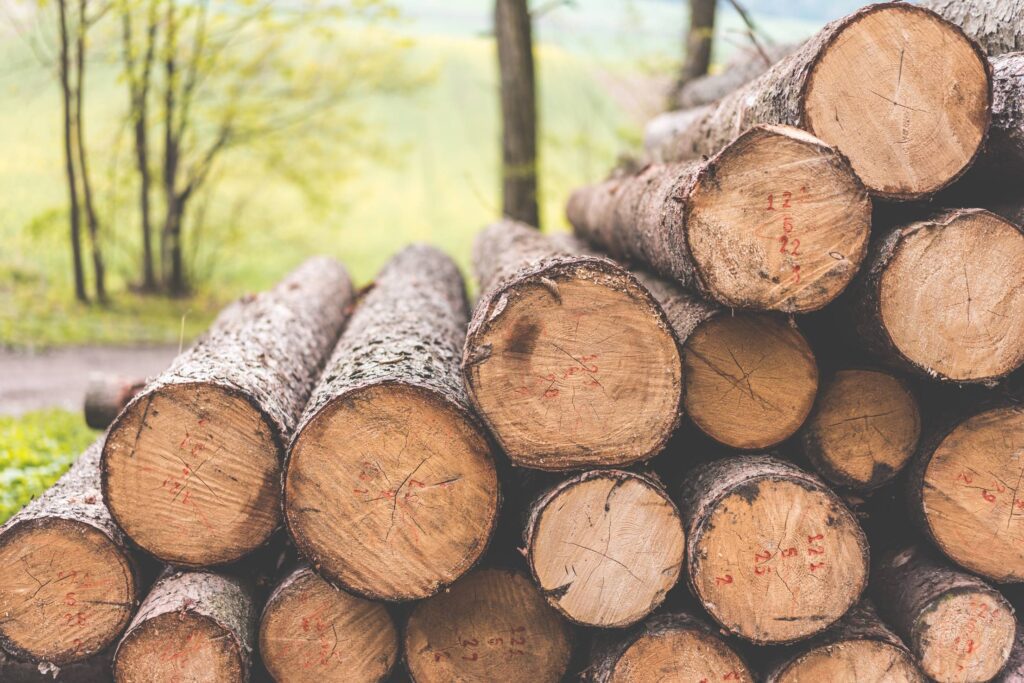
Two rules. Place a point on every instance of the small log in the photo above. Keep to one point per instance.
(864, 429)
(749, 379)
(944, 297)
(870, 85)
(390, 489)
(568, 359)
(677, 646)
(312, 632)
(605, 547)
(744, 67)
(995, 24)
(493, 625)
(95, 669)
(858, 647)
(69, 585)
(772, 554)
(776, 221)
(191, 468)
(106, 395)
(963, 491)
(958, 627)
(193, 626)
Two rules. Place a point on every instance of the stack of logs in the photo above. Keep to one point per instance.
(778, 438)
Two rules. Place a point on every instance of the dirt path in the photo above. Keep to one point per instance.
(57, 379)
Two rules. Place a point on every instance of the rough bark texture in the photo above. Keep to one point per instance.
(661, 131)
(745, 66)
(1014, 670)
(96, 669)
(105, 396)
(995, 24)
(512, 28)
(1004, 153)
(684, 310)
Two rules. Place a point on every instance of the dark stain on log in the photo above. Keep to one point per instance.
(524, 337)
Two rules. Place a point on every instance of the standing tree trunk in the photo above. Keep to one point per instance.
(68, 105)
(699, 40)
(171, 256)
(512, 27)
(92, 219)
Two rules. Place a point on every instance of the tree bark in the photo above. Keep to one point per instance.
(942, 297)
(67, 104)
(311, 632)
(92, 219)
(106, 395)
(568, 359)
(762, 589)
(1013, 672)
(748, 64)
(390, 487)
(958, 627)
(995, 24)
(493, 625)
(191, 467)
(96, 669)
(512, 28)
(890, 138)
(191, 626)
(70, 585)
(788, 236)
(1004, 155)
(700, 37)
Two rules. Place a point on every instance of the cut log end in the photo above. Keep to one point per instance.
(311, 632)
(864, 429)
(493, 625)
(970, 494)
(191, 473)
(179, 646)
(913, 113)
(952, 296)
(66, 591)
(581, 369)
(750, 380)
(852, 661)
(605, 547)
(391, 492)
(778, 221)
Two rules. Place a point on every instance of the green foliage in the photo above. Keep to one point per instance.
(35, 449)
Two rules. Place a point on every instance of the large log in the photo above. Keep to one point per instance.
(676, 646)
(568, 358)
(864, 429)
(744, 67)
(995, 24)
(311, 631)
(775, 221)
(899, 91)
(772, 554)
(68, 586)
(605, 547)
(944, 297)
(193, 626)
(390, 489)
(191, 468)
(958, 627)
(106, 395)
(493, 625)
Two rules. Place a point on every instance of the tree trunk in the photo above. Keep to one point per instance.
(963, 482)
(749, 379)
(944, 297)
(390, 487)
(677, 646)
(605, 547)
(106, 395)
(493, 625)
(69, 586)
(96, 669)
(568, 359)
(92, 219)
(919, 123)
(67, 104)
(748, 64)
(772, 554)
(864, 428)
(512, 28)
(700, 38)
(193, 626)
(858, 647)
(192, 465)
(311, 632)
(958, 627)
(995, 24)
(776, 221)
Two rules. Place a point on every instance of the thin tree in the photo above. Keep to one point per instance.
(699, 38)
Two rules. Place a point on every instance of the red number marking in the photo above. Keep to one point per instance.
(723, 580)
(786, 196)
(817, 565)
(762, 556)
(816, 537)
(787, 224)
(815, 551)
(439, 655)
(789, 552)
(964, 477)
(761, 571)
(470, 642)
(990, 497)
(770, 203)
(70, 600)
(731, 676)
(471, 659)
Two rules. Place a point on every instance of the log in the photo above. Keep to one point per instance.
(958, 627)
(493, 625)
(963, 492)
(311, 632)
(864, 429)
(749, 379)
(858, 647)
(676, 646)
(1013, 672)
(902, 93)
(775, 221)
(191, 468)
(390, 489)
(995, 24)
(944, 297)
(568, 359)
(193, 626)
(605, 547)
(744, 67)
(95, 669)
(1004, 153)
(663, 129)
(106, 395)
(772, 554)
(69, 585)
